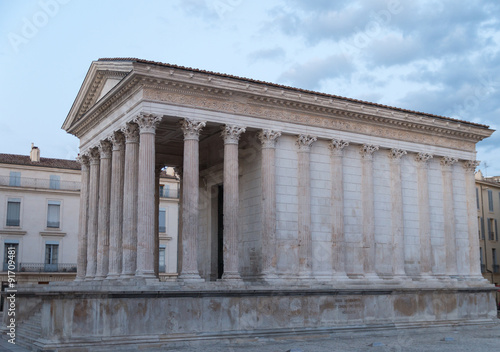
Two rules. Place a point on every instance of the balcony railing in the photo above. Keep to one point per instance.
(496, 269)
(169, 193)
(491, 236)
(43, 268)
(40, 183)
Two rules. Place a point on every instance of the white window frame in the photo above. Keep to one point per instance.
(47, 214)
(20, 212)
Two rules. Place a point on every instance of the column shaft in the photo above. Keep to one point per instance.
(116, 207)
(337, 206)
(130, 194)
(268, 183)
(398, 241)
(424, 214)
(190, 198)
(368, 210)
(103, 216)
(470, 191)
(304, 143)
(231, 202)
(93, 212)
(449, 217)
(146, 197)
(81, 266)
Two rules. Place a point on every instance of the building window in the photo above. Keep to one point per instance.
(162, 220)
(482, 229)
(477, 197)
(161, 259)
(13, 212)
(11, 249)
(483, 267)
(54, 214)
(15, 179)
(55, 182)
(491, 227)
(490, 200)
(494, 259)
(51, 256)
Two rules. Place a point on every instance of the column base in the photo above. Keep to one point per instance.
(190, 277)
(231, 276)
(145, 274)
(113, 276)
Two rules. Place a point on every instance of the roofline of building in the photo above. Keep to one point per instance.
(136, 60)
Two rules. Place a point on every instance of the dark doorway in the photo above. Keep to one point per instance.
(220, 231)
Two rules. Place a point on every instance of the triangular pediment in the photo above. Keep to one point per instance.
(100, 79)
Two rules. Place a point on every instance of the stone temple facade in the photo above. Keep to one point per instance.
(301, 212)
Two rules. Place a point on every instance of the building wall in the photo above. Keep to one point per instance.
(33, 233)
(488, 268)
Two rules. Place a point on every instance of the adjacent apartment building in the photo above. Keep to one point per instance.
(39, 203)
(39, 209)
(488, 214)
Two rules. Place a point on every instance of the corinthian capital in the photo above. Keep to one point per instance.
(448, 161)
(83, 159)
(94, 156)
(397, 154)
(337, 145)
(367, 150)
(191, 128)
(231, 134)
(470, 165)
(105, 149)
(304, 142)
(268, 138)
(131, 132)
(423, 157)
(147, 122)
(118, 140)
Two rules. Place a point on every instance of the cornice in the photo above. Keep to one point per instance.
(205, 85)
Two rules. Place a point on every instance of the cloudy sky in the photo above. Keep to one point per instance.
(436, 56)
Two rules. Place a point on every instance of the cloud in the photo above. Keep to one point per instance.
(311, 74)
(273, 54)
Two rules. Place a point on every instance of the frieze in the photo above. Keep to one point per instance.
(336, 120)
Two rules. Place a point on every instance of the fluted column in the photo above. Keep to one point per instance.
(130, 194)
(231, 135)
(81, 266)
(116, 206)
(190, 198)
(367, 197)
(398, 241)
(178, 173)
(449, 217)
(103, 217)
(304, 143)
(268, 183)
(146, 197)
(424, 214)
(470, 192)
(158, 169)
(337, 208)
(93, 211)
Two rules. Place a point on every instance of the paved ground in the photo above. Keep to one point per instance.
(476, 339)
